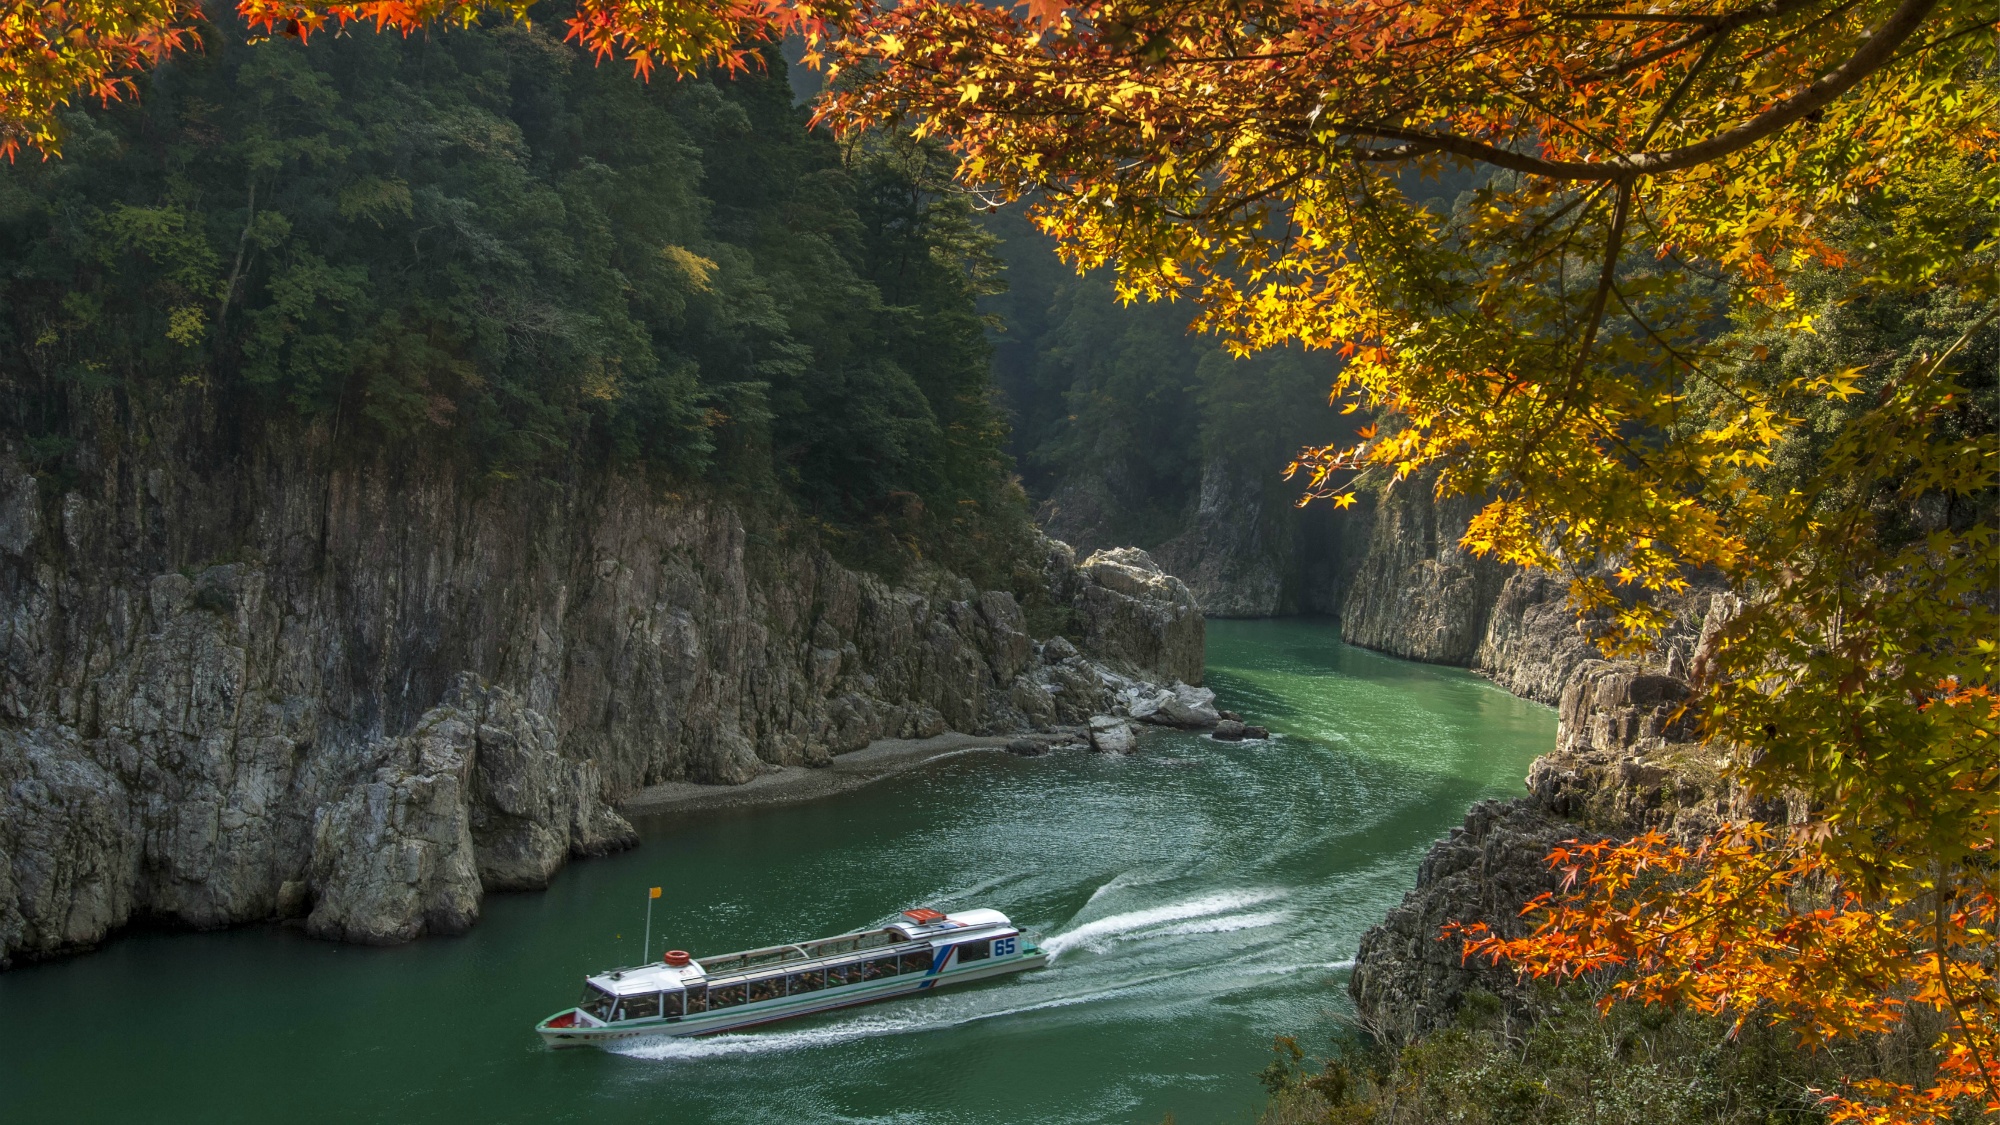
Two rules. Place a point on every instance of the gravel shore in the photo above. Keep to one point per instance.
(787, 785)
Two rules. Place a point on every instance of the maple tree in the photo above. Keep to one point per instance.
(1550, 342)
(1634, 176)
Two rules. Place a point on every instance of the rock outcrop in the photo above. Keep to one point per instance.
(1417, 593)
(1138, 618)
(273, 680)
(1408, 978)
(1233, 556)
(1624, 763)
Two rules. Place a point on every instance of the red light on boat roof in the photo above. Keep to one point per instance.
(676, 957)
(924, 914)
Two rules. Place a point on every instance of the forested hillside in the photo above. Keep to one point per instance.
(480, 243)
(1129, 428)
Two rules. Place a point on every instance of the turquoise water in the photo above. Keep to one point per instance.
(1199, 897)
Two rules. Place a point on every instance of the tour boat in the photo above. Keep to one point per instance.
(682, 995)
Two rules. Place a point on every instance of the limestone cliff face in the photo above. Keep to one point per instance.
(1418, 594)
(365, 692)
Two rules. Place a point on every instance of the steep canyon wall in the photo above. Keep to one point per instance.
(274, 680)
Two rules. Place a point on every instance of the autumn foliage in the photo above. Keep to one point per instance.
(1579, 336)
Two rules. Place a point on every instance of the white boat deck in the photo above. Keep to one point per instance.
(897, 937)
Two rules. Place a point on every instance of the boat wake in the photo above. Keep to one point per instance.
(849, 1029)
(1098, 934)
(1226, 924)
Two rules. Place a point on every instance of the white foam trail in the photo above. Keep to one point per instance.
(1116, 880)
(1226, 924)
(1338, 965)
(1119, 924)
(731, 1044)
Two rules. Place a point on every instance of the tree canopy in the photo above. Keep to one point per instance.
(1587, 345)
(479, 245)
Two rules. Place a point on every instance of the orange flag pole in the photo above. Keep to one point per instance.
(646, 945)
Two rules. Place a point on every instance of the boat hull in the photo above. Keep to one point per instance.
(791, 1007)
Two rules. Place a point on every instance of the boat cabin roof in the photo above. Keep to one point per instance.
(895, 937)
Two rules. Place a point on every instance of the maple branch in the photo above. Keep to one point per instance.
(1640, 17)
(1614, 243)
(1710, 25)
(1958, 1013)
(1873, 53)
(1673, 102)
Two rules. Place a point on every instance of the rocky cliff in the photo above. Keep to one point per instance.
(1236, 556)
(1624, 762)
(1417, 593)
(290, 682)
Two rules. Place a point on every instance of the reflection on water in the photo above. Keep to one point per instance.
(1198, 898)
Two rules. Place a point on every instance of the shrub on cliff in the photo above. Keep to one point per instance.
(1566, 1065)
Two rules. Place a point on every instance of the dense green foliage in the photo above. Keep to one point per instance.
(477, 242)
(1124, 396)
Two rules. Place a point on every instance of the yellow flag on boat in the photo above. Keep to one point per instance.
(654, 893)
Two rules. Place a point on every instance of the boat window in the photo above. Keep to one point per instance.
(597, 1002)
(697, 999)
(639, 1007)
(670, 1005)
(865, 970)
(808, 982)
(836, 975)
(918, 962)
(884, 966)
(975, 951)
(766, 988)
(728, 996)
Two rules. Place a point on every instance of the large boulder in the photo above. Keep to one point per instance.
(1138, 619)
(1184, 706)
(1112, 735)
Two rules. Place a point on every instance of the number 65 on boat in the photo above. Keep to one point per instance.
(682, 995)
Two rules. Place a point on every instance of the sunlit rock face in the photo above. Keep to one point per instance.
(281, 680)
(1417, 593)
(1627, 760)
(1138, 618)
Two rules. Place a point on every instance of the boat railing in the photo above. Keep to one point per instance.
(750, 960)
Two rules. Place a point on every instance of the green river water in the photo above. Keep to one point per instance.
(1199, 898)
